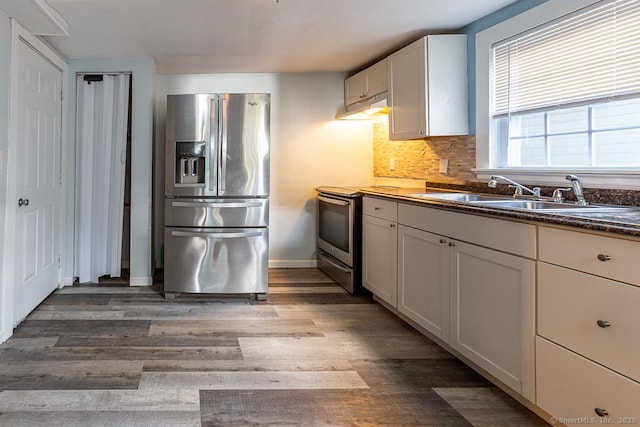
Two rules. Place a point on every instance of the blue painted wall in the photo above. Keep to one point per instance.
(475, 27)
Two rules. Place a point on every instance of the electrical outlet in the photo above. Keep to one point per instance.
(444, 166)
(392, 164)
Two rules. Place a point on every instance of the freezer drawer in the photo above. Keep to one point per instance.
(184, 212)
(216, 261)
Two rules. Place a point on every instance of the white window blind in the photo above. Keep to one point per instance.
(591, 55)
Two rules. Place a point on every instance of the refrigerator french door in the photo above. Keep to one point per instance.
(217, 189)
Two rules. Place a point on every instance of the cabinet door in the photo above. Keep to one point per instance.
(377, 78)
(493, 313)
(355, 88)
(380, 258)
(423, 279)
(407, 92)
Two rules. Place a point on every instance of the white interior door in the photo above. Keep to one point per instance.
(37, 174)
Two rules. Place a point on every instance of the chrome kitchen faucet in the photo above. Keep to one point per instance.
(519, 187)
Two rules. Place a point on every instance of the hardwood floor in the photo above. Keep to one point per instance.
(311, 355)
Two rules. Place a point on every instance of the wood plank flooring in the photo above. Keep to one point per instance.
(311, 355)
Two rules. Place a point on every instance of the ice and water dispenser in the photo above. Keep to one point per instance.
(190, 163)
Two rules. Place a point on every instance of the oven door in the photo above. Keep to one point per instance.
(335, 227)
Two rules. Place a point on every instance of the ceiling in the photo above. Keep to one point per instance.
(213, 36)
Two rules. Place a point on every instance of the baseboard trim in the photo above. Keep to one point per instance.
(293, 263)
(140, 281)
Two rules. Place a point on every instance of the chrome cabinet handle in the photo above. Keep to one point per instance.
(23, 202)
(392, 225)
(603, 257)
(601, 412)
(603, 323)
(377, 208)
(443, 241)
(451, 244)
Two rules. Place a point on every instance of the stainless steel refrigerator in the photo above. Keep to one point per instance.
(217, 194)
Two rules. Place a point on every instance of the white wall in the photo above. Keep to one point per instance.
(308, 148)
(6, 328)
(143, 75)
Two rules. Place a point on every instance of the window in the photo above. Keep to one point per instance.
(567, 93)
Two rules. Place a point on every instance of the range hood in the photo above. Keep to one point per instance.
(368, 109)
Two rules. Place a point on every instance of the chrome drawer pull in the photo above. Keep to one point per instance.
(603, 257)
(442, 241)
(602, 412)
(377, 208)
(603, 323)
(451, 244)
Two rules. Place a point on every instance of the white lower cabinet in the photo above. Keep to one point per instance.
(379, 257)
(423, 279)
(493, 313)
(472, 281)
(480, 301)
(588, 345)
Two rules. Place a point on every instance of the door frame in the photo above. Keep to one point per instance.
(21, 35)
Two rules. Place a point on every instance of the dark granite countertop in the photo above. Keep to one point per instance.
(624, 222)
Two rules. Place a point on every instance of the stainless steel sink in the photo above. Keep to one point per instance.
(520, 204)
(461, 197)
(550, 206)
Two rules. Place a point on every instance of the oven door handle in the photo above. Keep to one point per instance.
(335, 265)
(333, 201)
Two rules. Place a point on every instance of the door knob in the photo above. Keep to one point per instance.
(23, 202)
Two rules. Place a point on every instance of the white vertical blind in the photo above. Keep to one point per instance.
(101, 123)
(589, 55)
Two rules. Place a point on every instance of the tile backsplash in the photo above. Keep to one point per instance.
(420, 158)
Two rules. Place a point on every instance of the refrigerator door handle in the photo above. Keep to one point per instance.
(214, 138)
(216, 205)
(222, 135)
(238, 235)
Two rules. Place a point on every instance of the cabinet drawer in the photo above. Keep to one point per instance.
(570, 304)
(384, 209)
(600, 255)
(570, 388)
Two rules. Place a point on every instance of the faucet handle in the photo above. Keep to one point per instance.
(518, 190)
(557, 196)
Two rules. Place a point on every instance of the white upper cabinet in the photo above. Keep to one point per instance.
(428, 88)
(366, 84)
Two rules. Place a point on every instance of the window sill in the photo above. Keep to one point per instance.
(623, 179)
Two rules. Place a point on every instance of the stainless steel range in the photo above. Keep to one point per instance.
(217, 194)
(339, 229)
